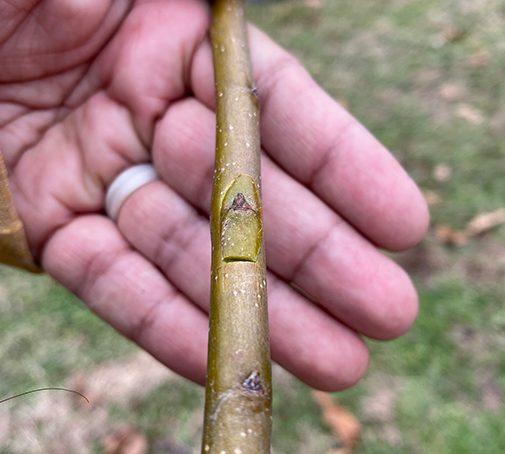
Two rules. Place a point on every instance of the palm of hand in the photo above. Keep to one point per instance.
(90, 89)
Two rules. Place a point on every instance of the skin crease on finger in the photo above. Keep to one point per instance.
(53, 35)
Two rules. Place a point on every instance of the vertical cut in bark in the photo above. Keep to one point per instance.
(238, 395)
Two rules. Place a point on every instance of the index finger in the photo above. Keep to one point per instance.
(318, 142)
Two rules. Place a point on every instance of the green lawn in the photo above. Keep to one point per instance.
(427, 78)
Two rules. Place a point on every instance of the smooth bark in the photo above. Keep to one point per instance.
(239, 392)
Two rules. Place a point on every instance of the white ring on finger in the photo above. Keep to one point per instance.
(125, 184)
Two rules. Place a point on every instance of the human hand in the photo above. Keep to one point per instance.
(89, 89)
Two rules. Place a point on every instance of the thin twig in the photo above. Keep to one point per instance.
(44, 389)
(239, 391)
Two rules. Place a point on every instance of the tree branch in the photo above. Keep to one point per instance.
(238, 394)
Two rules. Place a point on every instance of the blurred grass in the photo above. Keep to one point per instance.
(426, 77)
(47, 333)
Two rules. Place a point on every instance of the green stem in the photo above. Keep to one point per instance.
(238, 394)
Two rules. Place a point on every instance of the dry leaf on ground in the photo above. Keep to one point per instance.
(341, 421)
(125, 440)
(446, 234)
(478, 225)
(485, 221)
(470, 114)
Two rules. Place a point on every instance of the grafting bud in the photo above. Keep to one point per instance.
(241, 226)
